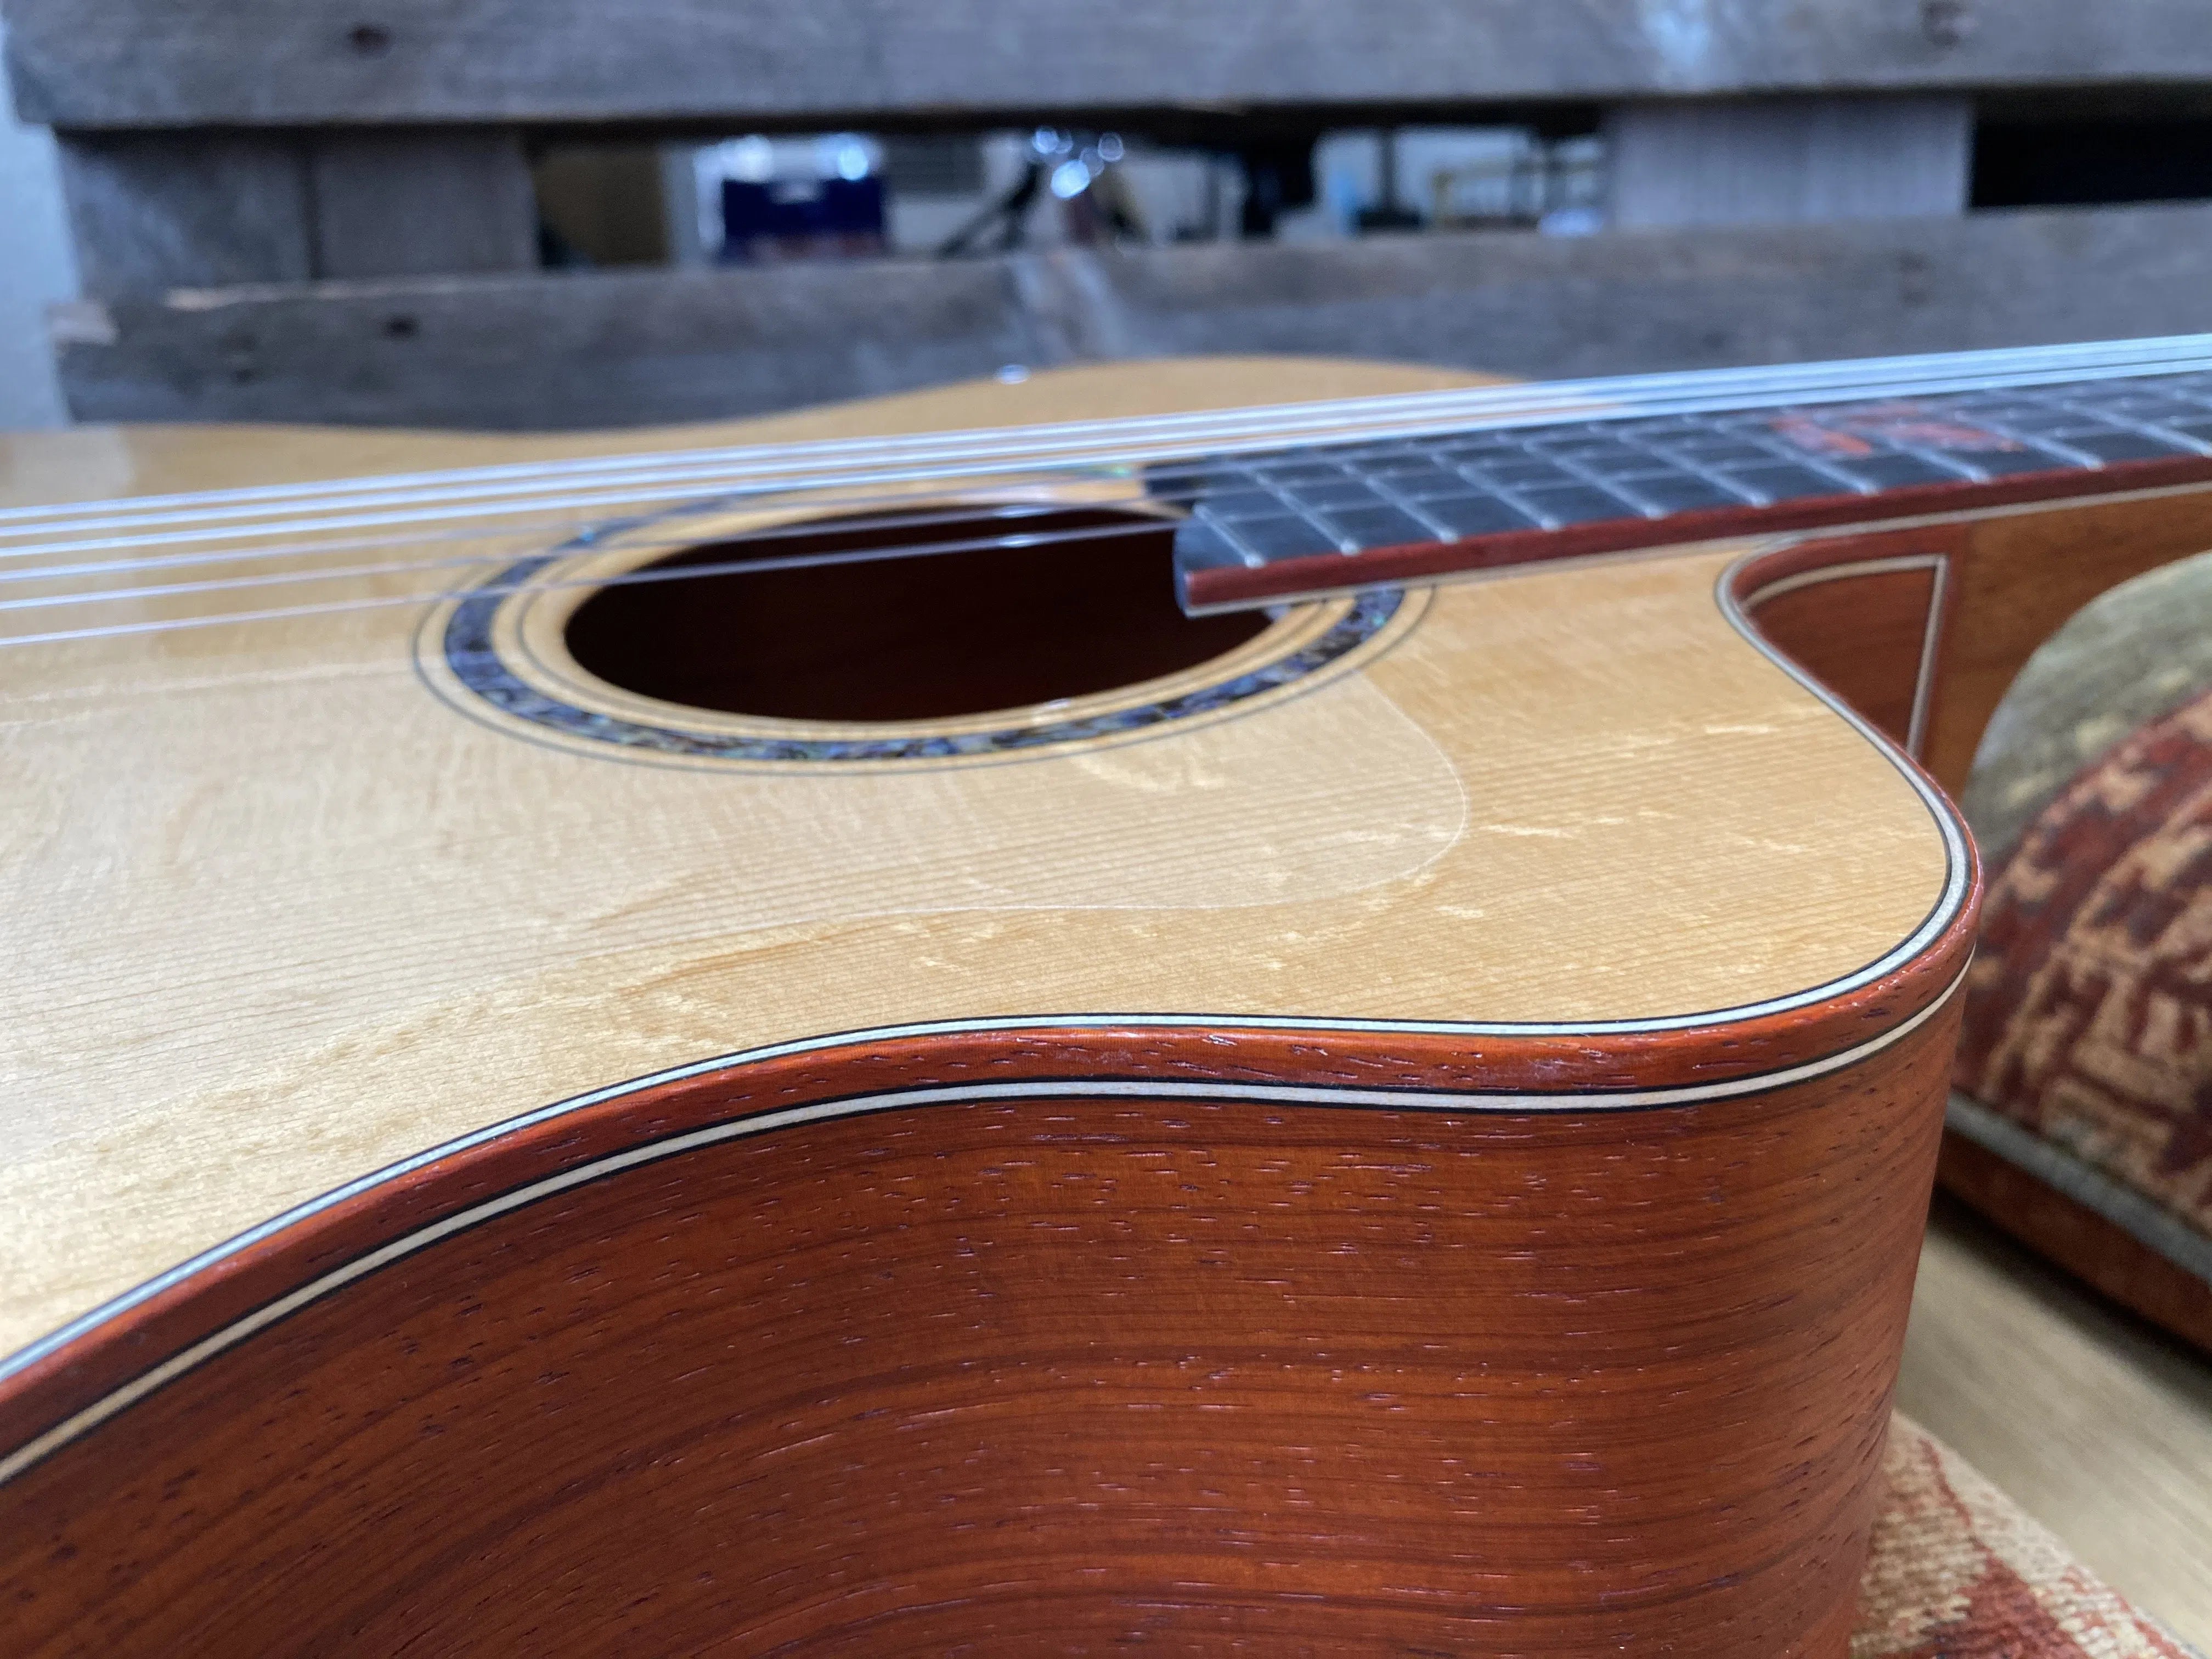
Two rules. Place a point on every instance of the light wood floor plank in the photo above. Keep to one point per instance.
(2098, 1425)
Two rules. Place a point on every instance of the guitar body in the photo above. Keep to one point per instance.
(1407, 1132)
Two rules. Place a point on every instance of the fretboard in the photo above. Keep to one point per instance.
(1283, 524)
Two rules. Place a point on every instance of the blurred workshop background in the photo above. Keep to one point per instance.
(544, 213)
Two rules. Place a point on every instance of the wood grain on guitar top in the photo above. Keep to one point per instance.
(1427, 1160)
(296, 920)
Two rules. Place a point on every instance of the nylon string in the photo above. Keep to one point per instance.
(536, 502)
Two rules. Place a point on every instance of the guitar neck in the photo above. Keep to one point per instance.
(1298, 523)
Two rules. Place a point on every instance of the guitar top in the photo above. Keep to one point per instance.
(287, 905)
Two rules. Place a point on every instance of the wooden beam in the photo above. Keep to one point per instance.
(413, 203)
(179, 62)
(153, 211)
(551, 350)
(1772, 161)
(611, 349)
(150, 213)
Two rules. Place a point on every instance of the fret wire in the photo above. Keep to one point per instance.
(1688, 463)
(1568, 463)
(2149, 429)
(1407, 504)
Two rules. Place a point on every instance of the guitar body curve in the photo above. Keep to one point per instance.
(1472, 1210)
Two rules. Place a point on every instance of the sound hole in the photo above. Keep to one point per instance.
(1085, 603)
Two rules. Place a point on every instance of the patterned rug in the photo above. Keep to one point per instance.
(1958, 1572)
(2090, 1006)
(2081, 1120)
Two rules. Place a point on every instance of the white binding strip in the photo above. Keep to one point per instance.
(949, 1093)
(1931, 630)
(1931, 637)
(1957, 856)
(1832, 572)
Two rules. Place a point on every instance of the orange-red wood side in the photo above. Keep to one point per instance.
(1056, 1374)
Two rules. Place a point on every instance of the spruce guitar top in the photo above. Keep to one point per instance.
(988, 1021)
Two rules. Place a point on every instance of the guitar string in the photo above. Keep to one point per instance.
(512, 530)
(1210, 423)
(326, 574)
(1473, 409)
(509, 590)
(1869, 376)
(626, 547)
(516, 522)
(723, 568)
(817, 499)
(811, 527)
(571, 532)
(575, 537)
(827, 501)
(1217, 427)
(575, 534)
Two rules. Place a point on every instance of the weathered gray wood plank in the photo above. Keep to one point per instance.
(1776, 160)
(617, 348)
(436, 203)
(156, 211)
(151, 63)
(150, 213)
(559, 350)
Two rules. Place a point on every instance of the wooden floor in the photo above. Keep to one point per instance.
(2096, 1424)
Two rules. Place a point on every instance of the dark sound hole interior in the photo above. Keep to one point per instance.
(1088, 606)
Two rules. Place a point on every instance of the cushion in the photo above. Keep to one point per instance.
(2082, 1118)
(1958, 1572)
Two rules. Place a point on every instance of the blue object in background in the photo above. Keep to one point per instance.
(793, 218)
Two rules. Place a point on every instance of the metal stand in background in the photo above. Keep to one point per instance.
(1077, 169)
(1007, 217)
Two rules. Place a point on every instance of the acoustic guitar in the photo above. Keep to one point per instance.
(1258, 1006)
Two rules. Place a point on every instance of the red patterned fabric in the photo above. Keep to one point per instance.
(2089, 1007)
(1958, 1572)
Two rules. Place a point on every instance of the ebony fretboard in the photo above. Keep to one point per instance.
(1283, 523)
